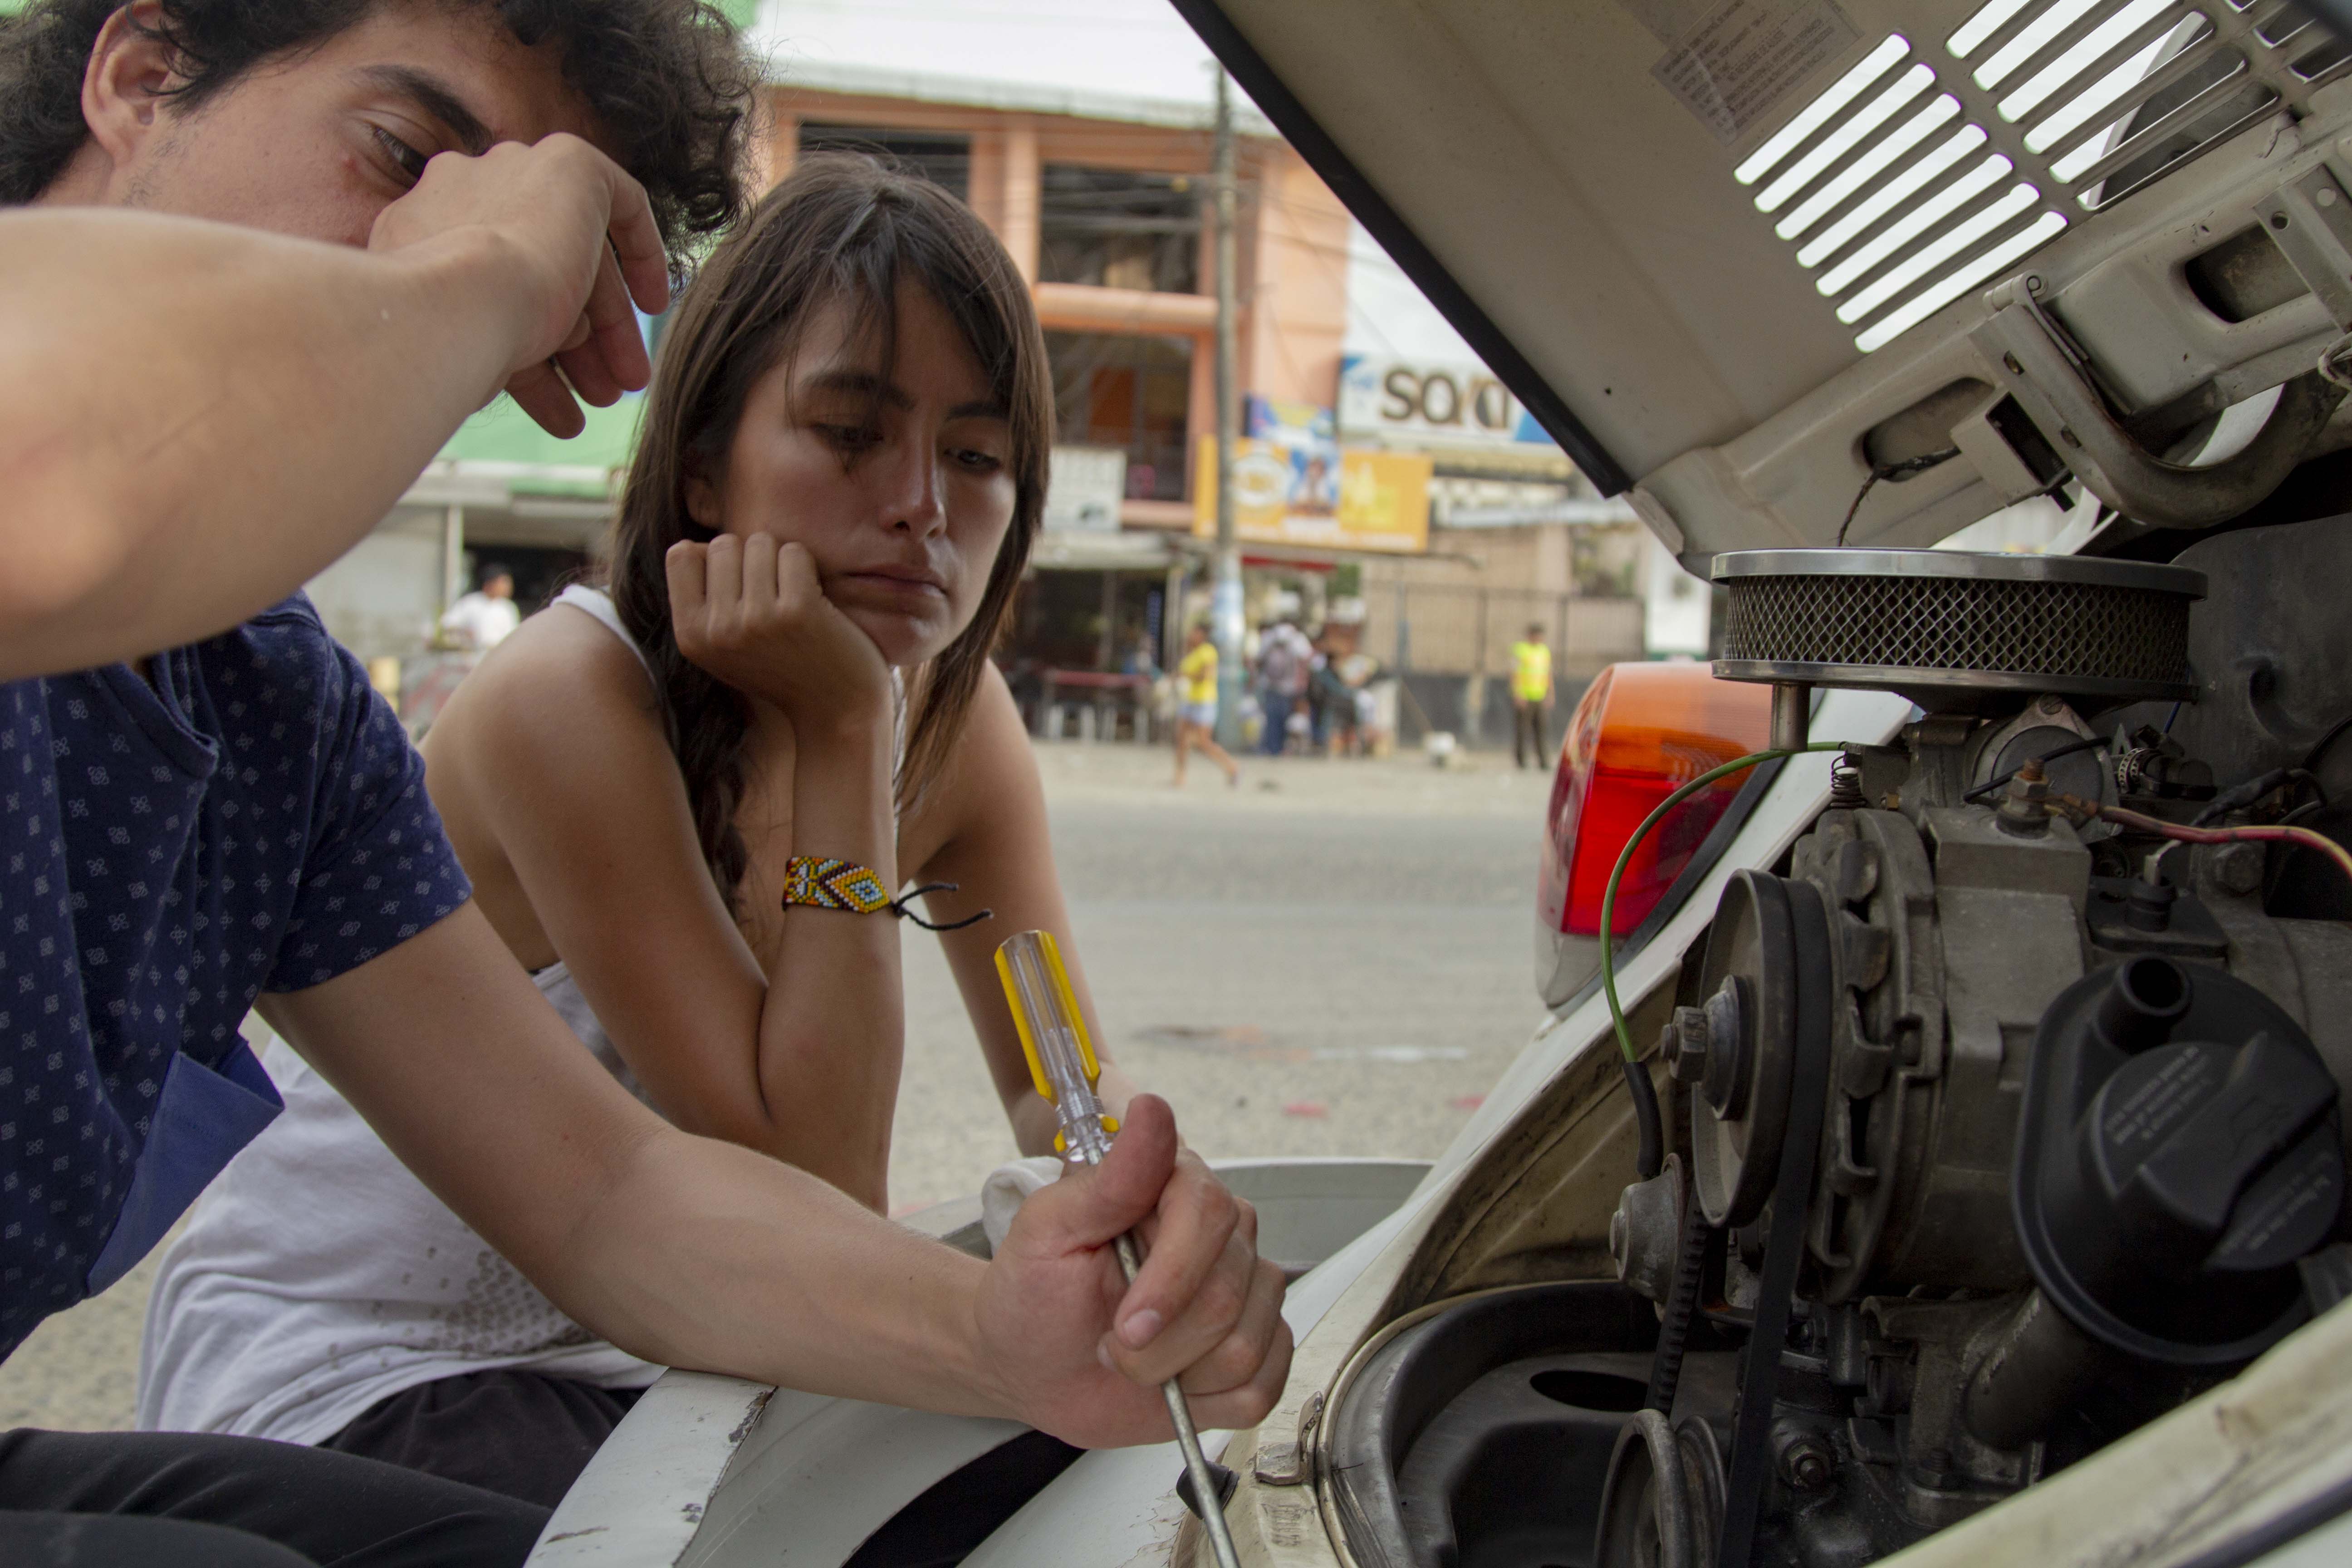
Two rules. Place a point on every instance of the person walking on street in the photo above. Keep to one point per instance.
(1530, 697)
(1196, 717)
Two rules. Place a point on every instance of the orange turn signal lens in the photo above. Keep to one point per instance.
(1641, 732)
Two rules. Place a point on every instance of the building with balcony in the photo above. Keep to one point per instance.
(1099, 197)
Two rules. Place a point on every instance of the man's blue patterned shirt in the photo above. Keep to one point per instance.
(248, 818)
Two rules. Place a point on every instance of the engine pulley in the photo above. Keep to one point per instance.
(1739, 1047)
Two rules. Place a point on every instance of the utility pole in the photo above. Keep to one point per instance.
(1225, 597)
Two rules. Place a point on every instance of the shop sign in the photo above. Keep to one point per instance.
(1442, 404)
(1375, 500)
(1083, 489)
(1305, 438)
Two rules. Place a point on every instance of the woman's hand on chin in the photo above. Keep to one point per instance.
(751, 611)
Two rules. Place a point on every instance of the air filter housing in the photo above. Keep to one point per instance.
(1953, 630)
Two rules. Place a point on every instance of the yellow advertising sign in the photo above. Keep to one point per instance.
(1380, 501)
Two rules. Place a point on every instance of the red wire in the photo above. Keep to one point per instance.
(2303, 836)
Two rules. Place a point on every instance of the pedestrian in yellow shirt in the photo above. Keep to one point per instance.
(1196, 717)
(1530, 697)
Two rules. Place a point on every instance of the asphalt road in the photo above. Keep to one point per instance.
(1335, 959)
(1334, 965)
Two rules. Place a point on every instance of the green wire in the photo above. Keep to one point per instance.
(1609, 893)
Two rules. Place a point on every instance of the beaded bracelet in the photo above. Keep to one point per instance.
(828, 882)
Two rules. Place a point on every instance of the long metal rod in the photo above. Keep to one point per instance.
(1793, 715)
(1187, 1438)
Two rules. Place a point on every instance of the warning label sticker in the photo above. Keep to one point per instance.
(1733, 67)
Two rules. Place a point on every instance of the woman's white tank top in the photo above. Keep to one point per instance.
(317, 1276)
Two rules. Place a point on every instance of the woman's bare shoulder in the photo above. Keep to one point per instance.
(562, 680)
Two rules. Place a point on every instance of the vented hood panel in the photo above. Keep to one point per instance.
(1722, 246)
(1578, 204)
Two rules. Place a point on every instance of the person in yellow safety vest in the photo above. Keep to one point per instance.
(1530, 697)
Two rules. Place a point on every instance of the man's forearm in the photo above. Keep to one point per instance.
(711, 1257)
(195, 419)
(698, 1253)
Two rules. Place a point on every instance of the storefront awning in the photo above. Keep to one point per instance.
(1088, 550)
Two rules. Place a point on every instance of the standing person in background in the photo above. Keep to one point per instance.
(487, 617)
(1282, 662)
(1530, 697)
(1335, 702)
(1196, 716)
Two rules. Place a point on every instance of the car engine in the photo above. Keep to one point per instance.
(2004, 1110)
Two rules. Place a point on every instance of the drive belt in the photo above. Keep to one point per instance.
(1784, 1245)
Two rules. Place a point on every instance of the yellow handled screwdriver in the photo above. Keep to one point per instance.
(1063, 1065)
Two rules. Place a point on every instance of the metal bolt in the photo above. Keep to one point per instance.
(1809, 1464)
(2238, 867)
(1687, 1038)
(2010, 361)
(2049, 702)
(2324, 197)
(2024, 811)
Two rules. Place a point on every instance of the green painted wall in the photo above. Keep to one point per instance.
(503, 433)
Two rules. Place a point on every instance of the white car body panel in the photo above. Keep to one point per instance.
(714, 1471)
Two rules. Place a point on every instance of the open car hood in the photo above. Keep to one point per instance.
(1733, 254)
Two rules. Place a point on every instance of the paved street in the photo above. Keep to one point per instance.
(1328, 967)
(1335, 959)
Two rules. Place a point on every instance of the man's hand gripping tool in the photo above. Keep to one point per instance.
(1063, 1065)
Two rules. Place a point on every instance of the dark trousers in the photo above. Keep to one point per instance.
(522, 1434)
(181, 1500)
(1527, 731)
(1279, 706)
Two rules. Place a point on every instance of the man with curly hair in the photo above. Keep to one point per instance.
(194, 418)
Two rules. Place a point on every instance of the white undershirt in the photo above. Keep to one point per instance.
(476, 620)
(318, 1278)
